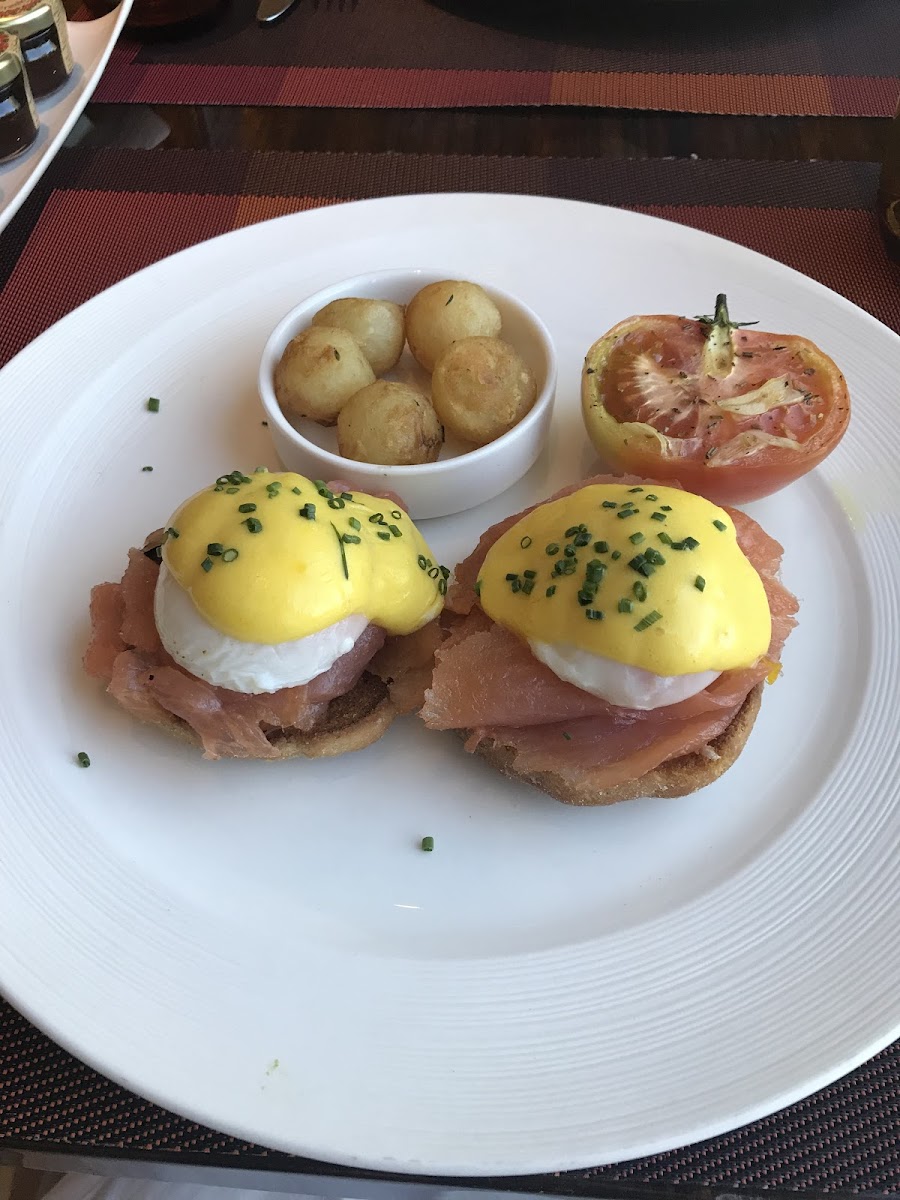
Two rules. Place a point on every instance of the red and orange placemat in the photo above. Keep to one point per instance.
(834, 57)
(817, 217)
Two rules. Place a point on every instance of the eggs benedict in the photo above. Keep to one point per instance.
(272, 616)
(620, 634)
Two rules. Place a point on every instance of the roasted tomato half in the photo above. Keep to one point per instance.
(730, 413)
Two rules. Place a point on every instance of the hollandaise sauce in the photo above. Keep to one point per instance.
(652, 577)
(271, 557)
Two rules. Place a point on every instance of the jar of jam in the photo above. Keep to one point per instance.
(41, 28)
(18, 120)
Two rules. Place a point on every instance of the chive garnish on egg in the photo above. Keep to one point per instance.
(636, 539)
(244, 508)
(354, 524)
(639, 590)
(625, 606)
(229, 555)
(215, 548)
(207, 564)
(552, 548)
(253, 524)
(341, 548)
(551, 591)
(593, 614)
(699, 583)
(601, 547)
(650, 619)
(385, 537)
(720, 525)
(525, 542)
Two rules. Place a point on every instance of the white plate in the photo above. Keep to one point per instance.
(92, 43)
(263, 947)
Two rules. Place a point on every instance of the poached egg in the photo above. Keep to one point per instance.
(268, 579)
(637, 594)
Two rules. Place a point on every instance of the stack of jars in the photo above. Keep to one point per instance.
(35, 60)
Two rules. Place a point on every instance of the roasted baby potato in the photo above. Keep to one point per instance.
(481, 388)
(391, 424)
(377, 325)
(320, 370)
(444, 312)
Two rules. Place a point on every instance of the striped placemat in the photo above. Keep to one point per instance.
(825, 57)
(815, 216)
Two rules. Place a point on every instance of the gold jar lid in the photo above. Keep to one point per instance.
(11, 64)
(25, 18)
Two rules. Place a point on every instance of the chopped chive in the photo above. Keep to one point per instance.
(569, 552)
(657, 516)
(207, 564)
(442, 586)
(528, 587)
(231, 491)
(635, 489)
(594, 614)
(218, 489)
(651, 497)
(666, 507)
(257, 471)
(652, 555)
(477, 587)
(395, 514)
(447, 301)
(530, 574)
(82, 759)
(423, 562)
(434, 572)
(636, 539)
(296, 491)
(337, 353)
(601, 547)
(585, 598)
(552, 548)
(690, 543)
(616, 555)
(428, 842)
(551, 590)
(146, 468)
(625, 606)
(582, 538)
(525, 542)
(664, 538)
(650, 619)
(609, 504)
(352, 539)
(572, 530)
(254, 525)
(153, 404)
(567, 736)
(341, 548)
(699, 583)
(395, 531)
(626, 512)
(720, 525)
(173, 532)
(640, 591)
(335, 502)
(354, 524)
(229, 555)
(385, 537)
(376, 519)
(215, 548)
(246, 508)
(445, 571)
(308, 511)
(346, 495)
(511, 575)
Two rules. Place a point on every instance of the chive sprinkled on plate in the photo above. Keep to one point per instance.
(428, 842)
(146, 468)
(153, 404)
(82, 759)
(567, 736)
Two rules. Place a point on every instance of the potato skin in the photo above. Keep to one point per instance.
(320, 370)
(481, 388)
(377, 326)
(444, 312)
(391, 424)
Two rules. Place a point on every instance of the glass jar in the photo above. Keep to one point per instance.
(44, 34)
(18, 120)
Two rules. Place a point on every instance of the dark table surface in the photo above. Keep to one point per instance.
(570, 132)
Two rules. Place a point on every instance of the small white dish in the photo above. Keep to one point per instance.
(463, 476)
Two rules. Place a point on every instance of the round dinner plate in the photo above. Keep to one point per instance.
(263, 947)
